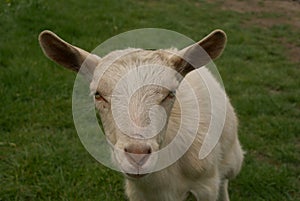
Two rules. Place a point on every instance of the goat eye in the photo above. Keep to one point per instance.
(169, 96)
(98, 97)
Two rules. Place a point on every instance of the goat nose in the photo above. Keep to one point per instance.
(137, 154)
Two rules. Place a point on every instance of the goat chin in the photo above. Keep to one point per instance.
(135, 176)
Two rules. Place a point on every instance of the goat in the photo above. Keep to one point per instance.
(143, 98)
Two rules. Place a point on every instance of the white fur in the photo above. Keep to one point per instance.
(136, 105)
(206, 179)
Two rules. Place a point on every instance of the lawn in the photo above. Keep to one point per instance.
(41, 156)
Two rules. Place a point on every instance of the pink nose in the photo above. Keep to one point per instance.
(137, 154)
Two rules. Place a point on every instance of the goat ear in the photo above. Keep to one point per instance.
(201, 53)
(65, 54)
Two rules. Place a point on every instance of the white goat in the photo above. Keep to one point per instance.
(207, 178)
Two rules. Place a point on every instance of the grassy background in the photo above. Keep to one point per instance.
(41, 157)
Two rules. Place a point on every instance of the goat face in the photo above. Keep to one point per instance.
(134, 93)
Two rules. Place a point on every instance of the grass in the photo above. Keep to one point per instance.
(41, 157)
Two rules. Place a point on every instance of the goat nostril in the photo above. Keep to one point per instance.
(149, 150)
(125, 149)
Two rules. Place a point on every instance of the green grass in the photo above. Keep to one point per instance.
(41, 157)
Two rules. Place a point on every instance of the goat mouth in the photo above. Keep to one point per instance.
(136, 176)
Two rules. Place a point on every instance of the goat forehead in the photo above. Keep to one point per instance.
(141, 88)
(134, 70)
(144, 97)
